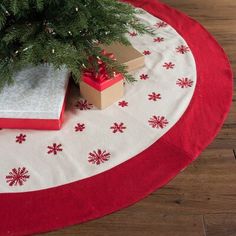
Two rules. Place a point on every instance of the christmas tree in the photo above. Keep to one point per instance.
(62, 33)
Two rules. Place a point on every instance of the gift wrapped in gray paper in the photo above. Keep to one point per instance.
(35, 100)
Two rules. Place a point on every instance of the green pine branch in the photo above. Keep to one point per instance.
(62, 33)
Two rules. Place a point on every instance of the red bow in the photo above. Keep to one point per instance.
(101, 75)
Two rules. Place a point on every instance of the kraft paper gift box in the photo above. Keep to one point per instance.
(106, 93)
(126, 55)
(36, 100)
(102, 94)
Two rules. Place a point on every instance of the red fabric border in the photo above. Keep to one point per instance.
(45, 210)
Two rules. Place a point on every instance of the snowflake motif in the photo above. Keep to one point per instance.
(154, 96)
(133, 34)
(169, 65)
(161, 24)
(184, 83)
(55, 148)
(146, 52)
(83, 105)
(158, 40)
(144, 77)
(118, 128)
(123, 104)
(79, 127)
(158, 122)
(20, 138)
(17, 176)
(182, 49)
(98, 157)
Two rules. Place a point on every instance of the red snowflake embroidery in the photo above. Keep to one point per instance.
(158, 40)
(118, 127)
(169, 65)
(20, 138)
(79, 127)
(123, 104)
(158, 122)
(146, 52)
(154, 96)
(184, 83)
(17, 176)
(98, 157)
(133, 34)
(182, 49)
(55, 148)
(83, 105)
(144, 77)
(161, 24)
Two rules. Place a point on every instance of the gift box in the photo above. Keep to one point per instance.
(126, 55)
(98, 86)
(102, 94)
(36, 100)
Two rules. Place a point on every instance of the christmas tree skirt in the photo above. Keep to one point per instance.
(102, 161)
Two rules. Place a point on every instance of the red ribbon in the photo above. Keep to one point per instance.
(101, 75)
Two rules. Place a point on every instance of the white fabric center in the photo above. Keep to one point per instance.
(93, 141)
